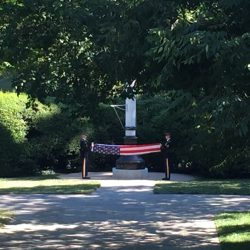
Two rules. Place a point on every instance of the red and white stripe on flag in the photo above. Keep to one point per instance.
(139, 149)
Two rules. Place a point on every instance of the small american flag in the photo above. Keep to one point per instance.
(126, 149)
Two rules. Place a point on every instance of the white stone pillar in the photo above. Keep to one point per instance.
(130, 117)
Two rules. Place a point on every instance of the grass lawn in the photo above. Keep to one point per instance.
(204, 187)
(43, 185)
(234, 230)
(5, 217)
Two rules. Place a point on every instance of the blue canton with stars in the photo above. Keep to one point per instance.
(106, 149)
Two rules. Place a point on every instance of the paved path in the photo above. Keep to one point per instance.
(122, 215)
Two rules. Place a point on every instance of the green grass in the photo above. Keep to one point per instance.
(46, 186)
(241, 187)
(5, 217)
(234, 230)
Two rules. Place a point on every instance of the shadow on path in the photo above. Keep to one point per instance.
(116, 217)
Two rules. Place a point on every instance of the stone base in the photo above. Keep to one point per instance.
(130, 162)
(130, 174)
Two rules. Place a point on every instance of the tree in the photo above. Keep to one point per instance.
(49, 45)
(83, 52)
(79, 50)
(206, 52)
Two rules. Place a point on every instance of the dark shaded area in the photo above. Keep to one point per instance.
(11, 162)
(5, 83)
(236, 246)
(227, 230)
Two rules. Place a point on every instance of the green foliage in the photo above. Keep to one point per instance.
(171, 112)
(229, 187)
(11, 115)
(204, 48)
(13, 131)
(233, 230)
(79, 50)
(206, 139)
(33, 140)
(54, 59)
(204, 51)
(87, 50)
(190, 60)
(46, 186)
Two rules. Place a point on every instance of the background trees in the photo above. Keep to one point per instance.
(190, 59)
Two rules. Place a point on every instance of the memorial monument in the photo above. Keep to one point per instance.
(130, 166)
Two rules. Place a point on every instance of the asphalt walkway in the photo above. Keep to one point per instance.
(121, 215)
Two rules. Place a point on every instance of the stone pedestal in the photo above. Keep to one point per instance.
(136, 174)
(130, 162)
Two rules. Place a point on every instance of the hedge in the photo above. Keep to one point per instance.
(46, 137)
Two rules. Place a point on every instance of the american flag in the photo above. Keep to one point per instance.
(126, 149)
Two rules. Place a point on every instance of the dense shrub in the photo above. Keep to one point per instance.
(208, 139)
(35, 139)
(172, 113)
(13, 130)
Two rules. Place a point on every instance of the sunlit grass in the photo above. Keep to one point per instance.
(234, 230)
(46, 186)
(241, 187)
(5, 217)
